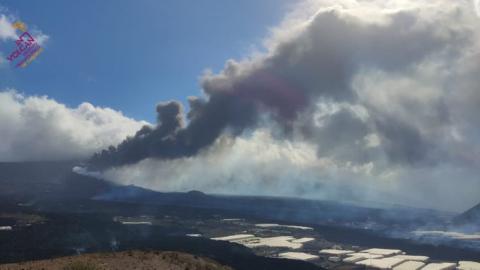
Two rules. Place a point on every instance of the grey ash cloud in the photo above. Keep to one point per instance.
(319, 63)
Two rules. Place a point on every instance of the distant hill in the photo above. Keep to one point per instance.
(127, 260)
(31, 182)
(28, 182)
(277, 208)
(469, 217)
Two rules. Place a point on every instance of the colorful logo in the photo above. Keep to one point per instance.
(27, 48)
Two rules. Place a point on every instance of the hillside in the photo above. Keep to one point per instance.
(123, 260)
(471, 216)
(29, 182)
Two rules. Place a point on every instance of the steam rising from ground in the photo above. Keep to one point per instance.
(255, 165)
(259, 164)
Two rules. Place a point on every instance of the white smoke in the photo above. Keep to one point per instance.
(476, 4)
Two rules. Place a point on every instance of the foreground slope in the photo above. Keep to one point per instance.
(32, 182)
(123, 260)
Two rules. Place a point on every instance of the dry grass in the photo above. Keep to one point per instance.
(78, 265)
(126, 260)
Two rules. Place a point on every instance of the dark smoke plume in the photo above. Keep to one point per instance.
(171, 139)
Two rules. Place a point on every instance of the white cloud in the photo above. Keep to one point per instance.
(372, 140)
(39, 128)
(7, 32)
(40, 37)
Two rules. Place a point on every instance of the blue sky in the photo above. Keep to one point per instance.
(129, 55)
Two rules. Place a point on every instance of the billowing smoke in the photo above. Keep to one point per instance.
(170, 139)
(319, 63)
(387, 90)
(477, 6)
